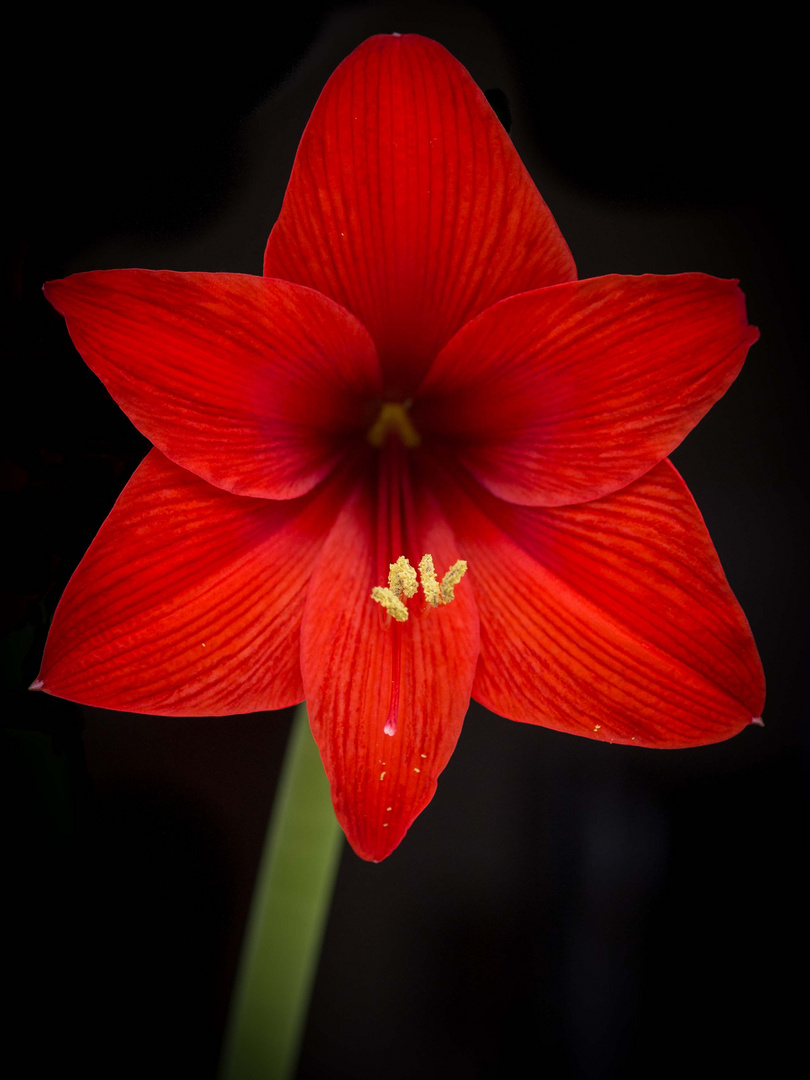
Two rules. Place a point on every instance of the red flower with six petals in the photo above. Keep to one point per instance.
(418, 372)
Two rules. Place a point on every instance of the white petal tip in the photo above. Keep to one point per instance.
(37, 684)
(758, 721)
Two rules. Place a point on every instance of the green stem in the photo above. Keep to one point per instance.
(288, 915)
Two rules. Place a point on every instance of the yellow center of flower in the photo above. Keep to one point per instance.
(402, 582)
(393, 417)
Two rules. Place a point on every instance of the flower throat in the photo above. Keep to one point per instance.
(396, 518)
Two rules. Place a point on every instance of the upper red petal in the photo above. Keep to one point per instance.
(381, 782)
(189, 600)
(252, 384)
(409, 205)
(611, 619)
(565, 394)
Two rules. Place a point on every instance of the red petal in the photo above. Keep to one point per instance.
(566, 394)
(249, 383)
(409, 205)
(189, 600)
(611, 619)
(381, 782)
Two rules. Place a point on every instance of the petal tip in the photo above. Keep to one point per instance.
(758, 721)
(376, 852)
(52, 291)
(37, 684)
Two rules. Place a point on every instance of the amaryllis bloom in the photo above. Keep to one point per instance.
(416, 461)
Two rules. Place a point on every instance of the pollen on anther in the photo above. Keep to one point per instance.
(402, 583)
(430, 586)
(437, 594)
(451, 579)
(402, 578)
(392, 604)
(382, 775)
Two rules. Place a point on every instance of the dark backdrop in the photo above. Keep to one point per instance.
(596, 910)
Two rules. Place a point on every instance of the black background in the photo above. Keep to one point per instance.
(566, 908)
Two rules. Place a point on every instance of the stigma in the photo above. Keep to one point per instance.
(403, 585)
(394, 417)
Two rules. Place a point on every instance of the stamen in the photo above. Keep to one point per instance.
(430, 586)
(391, 602)
(402, 582)
(451, 579)
(402, 578)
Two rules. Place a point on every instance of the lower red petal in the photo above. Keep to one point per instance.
(612, 619)
(381, 782)
(189, 600)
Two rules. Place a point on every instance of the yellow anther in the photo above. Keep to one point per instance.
(402, 578)
(451, 579)
(430, 586)
(393, 417)
(392, 604)
(402, 582)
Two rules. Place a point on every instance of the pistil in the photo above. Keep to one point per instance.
(394, 418)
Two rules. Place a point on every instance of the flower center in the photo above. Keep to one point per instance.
(393, 416)
(402, 582)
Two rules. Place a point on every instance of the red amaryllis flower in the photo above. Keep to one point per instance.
(417, 387)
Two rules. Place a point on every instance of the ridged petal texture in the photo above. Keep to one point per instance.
(381, 782)
(409, 205)
(565, 394)
(251, 384)
(189, 600)
(417, 291)
(612, 619)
